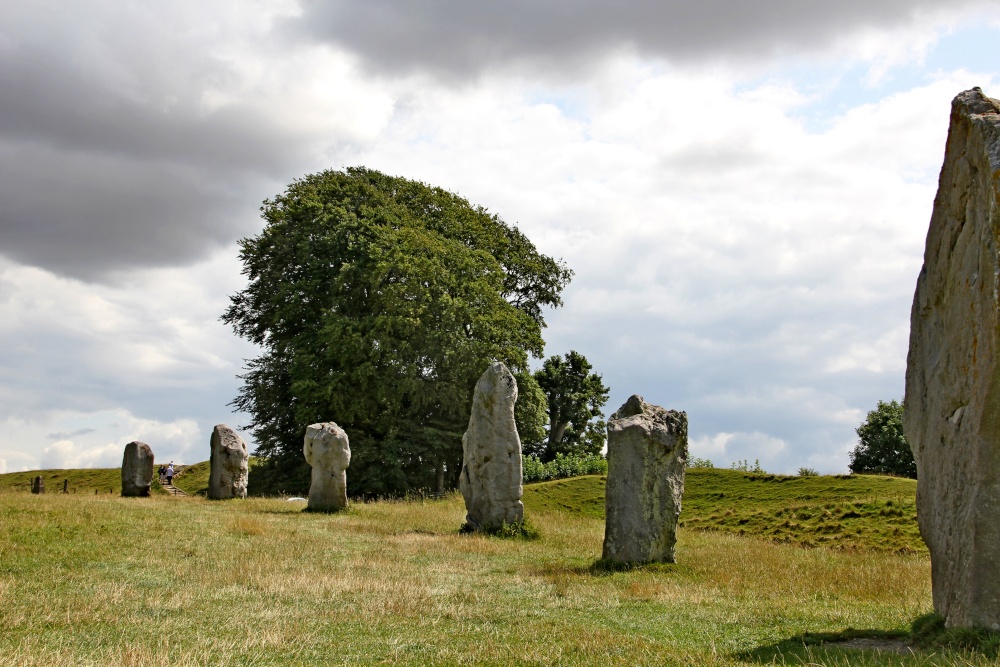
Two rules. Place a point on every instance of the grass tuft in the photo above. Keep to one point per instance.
(930, 634)
(523, 530)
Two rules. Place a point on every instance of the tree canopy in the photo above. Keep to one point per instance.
(575, 397)
(882, 448)
(378, 301)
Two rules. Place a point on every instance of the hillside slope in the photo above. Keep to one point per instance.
(844, 511)
(80, 480)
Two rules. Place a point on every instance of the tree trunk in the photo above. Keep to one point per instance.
(440, 480)
(556, 434)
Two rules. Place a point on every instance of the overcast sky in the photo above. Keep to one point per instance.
(742, 188)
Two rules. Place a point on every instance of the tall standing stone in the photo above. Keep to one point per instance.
(37, 484)
(229, 464)
(137, 469)
(647, 452)
(491, 478)
(952, 404)
(328, 451)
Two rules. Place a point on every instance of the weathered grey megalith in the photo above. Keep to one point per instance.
(491, 454)
(37, 484)
(328, 452)
(647, 452)
(952, 415)
(137, 469)
(229, 464)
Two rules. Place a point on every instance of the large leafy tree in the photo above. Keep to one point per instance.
(575, 396)
(378, 301)
(531, 414)
(882, 448)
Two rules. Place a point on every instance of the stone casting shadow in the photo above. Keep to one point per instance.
(806, 648)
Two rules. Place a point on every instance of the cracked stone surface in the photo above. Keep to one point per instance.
(647, 454)
(137, 469)
(952, 404)
(229, 463)
(328, 451)
(491, 453)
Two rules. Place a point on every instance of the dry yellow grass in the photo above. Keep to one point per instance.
(186, 581)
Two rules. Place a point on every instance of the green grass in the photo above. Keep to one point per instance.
(841, 512)
(844, 512)
(103, 580)
(193, 479)
(84, 480)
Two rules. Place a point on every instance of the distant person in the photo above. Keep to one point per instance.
(162, 473)
(170, 473)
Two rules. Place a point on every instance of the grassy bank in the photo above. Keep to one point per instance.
(77, 481)
(841, 512)
(104, 580)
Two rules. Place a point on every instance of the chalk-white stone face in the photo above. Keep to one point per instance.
(647, 453)
(491, 479)
(229, 463)
(137, 469)
(952, 405)
(328, 451)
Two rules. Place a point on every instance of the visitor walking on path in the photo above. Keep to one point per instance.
(170, 473)
(162, 473)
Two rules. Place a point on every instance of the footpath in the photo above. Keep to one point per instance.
(172, 490)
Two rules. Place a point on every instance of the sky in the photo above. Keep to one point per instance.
(743, 190)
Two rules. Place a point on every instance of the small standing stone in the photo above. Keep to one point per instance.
(38, 484)
(328, 451)
(137, 470)
(491, 479)
(647, 452)
(229, 464)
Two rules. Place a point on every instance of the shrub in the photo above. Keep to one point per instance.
(807, 472)
(562, 466)
(743, 466)
(522, 529)
(695, 462)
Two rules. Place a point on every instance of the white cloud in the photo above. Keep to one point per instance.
(101, 440)
(745, 248)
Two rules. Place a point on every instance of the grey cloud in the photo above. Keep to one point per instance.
(456, 38)
(110, 158)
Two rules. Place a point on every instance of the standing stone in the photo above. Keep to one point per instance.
(647, 452)
(137, 470)
(491, 454)
(38, 484)
(328, 452)
(229, 464)
(952, 413)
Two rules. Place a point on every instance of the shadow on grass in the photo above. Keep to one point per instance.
(926, 643)
(802, 649)
(604, 567)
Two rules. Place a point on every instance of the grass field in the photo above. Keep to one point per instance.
(101, 580)
(84, 480)
(841, 512)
